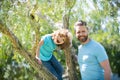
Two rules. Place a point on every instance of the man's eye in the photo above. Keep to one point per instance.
(83, 31)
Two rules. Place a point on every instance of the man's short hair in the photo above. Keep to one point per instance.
(80, 23)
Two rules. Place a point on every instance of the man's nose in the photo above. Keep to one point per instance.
(80, 33)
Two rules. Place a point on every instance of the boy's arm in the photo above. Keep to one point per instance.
(37, 51)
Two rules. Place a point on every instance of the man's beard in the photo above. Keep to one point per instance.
(83, 39)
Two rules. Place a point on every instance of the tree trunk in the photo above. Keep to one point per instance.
(70, 67)
(17, 45)
(69, 63)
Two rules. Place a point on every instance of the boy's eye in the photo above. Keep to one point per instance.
(61, 36)
(63, 39)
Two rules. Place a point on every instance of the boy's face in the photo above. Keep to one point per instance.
(59, 39)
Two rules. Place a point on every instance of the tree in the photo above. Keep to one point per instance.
(17, 45)
(24, 21)
(68, 53)
(34, 17)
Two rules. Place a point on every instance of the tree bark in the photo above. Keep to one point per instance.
(31, 59)
(68, 57)
(70, 67)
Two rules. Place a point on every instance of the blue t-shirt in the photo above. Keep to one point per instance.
(89, 57)
(47, 48)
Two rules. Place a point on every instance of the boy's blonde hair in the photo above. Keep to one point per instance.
(67, 38)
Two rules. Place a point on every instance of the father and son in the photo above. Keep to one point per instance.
(92, 57)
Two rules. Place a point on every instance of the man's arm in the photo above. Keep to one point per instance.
(107, 70)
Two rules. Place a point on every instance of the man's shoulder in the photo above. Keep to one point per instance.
(79, 46)
(96, 43)
(98, 47)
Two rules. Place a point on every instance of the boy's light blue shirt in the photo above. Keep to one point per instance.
(47, 48)
(89, 57)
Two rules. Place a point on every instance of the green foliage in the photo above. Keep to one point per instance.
(12, 65)
(110, 42)
(101, 15)
(15, 15)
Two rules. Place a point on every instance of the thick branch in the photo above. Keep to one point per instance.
(69, 63)
(16, 43)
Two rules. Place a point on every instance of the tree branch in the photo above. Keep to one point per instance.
(16, 43)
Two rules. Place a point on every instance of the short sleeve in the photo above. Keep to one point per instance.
(44, 38)
(101, 53)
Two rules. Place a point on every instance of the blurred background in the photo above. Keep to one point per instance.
(31, 19)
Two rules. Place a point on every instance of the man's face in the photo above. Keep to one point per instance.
(81, 33)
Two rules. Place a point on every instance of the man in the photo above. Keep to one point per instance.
(92, 57)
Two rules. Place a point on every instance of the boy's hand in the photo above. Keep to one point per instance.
(38, 60)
